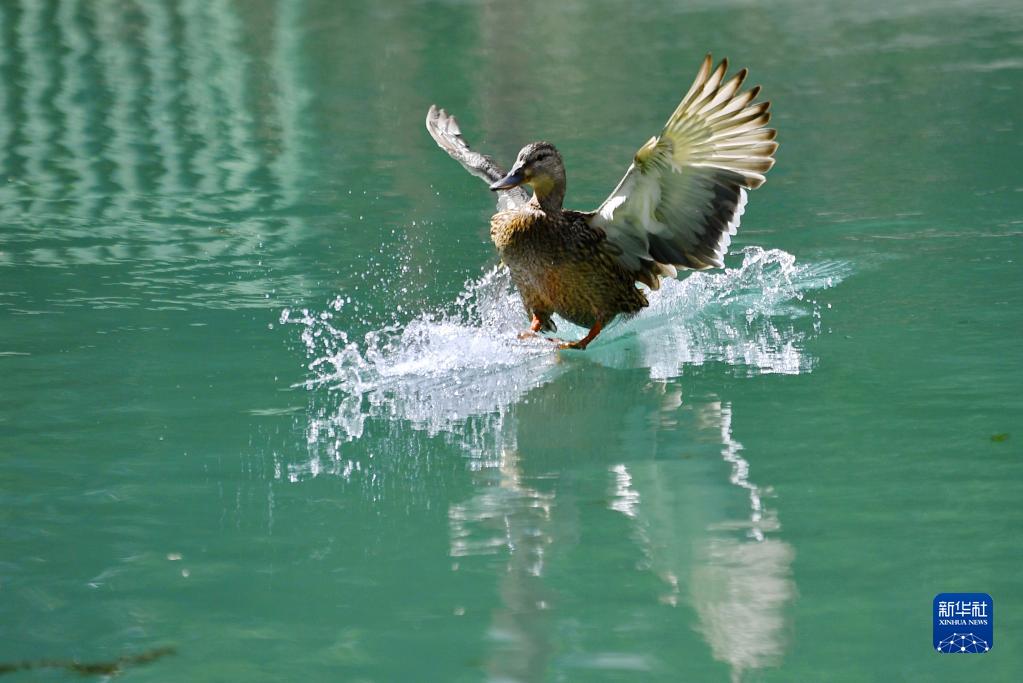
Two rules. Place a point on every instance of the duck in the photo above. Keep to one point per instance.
(675, 209)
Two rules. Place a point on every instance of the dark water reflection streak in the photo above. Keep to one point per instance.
(141, 137)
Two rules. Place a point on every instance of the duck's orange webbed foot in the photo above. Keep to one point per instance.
(534, 329)
(585, 341)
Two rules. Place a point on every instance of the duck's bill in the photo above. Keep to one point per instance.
(513, 179)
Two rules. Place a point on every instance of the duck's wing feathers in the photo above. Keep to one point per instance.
(681, 199)
(443, 127)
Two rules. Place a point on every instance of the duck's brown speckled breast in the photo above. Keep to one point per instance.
(561, 265)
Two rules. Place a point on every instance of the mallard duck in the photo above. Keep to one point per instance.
(676, 207)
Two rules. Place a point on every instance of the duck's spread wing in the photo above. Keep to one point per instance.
(444, 129)
(681, 199)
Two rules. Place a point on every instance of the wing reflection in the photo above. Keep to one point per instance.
(741, 584)
(733, 571)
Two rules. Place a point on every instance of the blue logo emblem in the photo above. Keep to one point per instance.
(964, 623)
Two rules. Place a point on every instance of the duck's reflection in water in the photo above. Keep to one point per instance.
(508, 517)
(732, 572)
(598, 453)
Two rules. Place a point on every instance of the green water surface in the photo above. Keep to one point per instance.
(261, 399)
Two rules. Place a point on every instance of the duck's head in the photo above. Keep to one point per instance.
(538, 165)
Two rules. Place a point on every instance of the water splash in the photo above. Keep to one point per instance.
(446, 366)
(751, 317)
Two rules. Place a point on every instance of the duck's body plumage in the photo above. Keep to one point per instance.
(561, 264)
(677, 206)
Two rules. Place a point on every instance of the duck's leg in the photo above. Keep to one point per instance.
(585, 341)
(534, 328)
